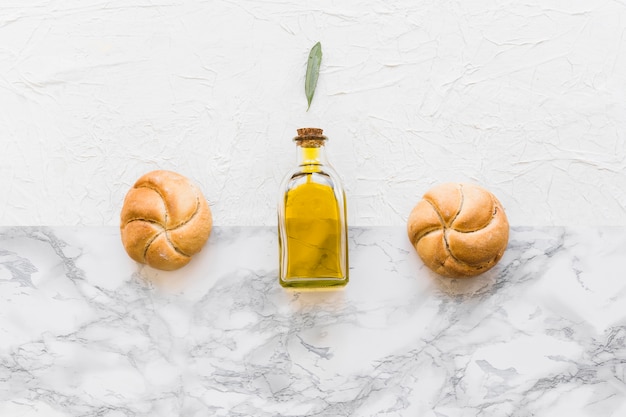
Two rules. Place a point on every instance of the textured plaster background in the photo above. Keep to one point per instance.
(526, 98)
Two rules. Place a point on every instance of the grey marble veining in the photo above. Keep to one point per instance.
(84, 331)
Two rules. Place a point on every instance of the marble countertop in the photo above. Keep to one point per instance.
(84, 331)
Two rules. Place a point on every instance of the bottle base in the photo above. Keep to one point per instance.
(313, 283)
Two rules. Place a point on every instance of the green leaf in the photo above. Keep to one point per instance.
(312, 72)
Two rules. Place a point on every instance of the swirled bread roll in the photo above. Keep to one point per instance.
(165, 220)
(459, 230)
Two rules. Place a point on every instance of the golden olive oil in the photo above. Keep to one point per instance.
(312, 220)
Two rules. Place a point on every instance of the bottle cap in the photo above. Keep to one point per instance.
(310, 137)
(310, 131)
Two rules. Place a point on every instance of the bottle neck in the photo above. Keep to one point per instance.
(311, 156)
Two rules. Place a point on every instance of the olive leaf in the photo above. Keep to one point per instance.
(312, 72)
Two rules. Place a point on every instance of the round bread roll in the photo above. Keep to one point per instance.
(459, 230)
(165, 220)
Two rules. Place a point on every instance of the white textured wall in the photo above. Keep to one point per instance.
(526, 98)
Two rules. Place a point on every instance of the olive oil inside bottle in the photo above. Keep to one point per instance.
(313, 231)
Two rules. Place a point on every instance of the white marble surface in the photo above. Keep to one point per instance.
(84, 331)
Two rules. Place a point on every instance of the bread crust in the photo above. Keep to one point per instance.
(459, 230)
(164, 220)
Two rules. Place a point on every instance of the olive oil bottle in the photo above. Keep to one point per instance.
(312, 226)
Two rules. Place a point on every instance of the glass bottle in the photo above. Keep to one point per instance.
(312, 226)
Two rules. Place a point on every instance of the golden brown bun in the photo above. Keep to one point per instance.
(165, 220)
(459, 230)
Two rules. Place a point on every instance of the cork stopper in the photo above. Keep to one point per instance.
(310, 137)
(310, 131)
